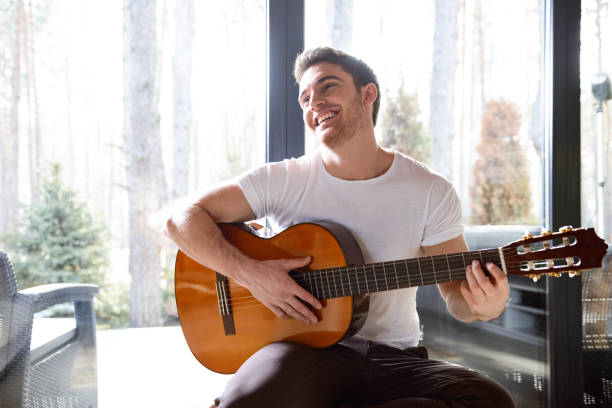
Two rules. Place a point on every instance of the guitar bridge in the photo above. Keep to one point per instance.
(225, 305)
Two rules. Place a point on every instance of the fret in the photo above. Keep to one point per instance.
(396, 278)
(334, 280)
(412, 265)
(385, 272)
(375, 279)
(365, 278)
(440, 266)
(433, 270)
(305, 281)
(458, 267)
(328, 285)
(450, 278)
(322, 285)
(315, 289)
(341, 282)
(420, 271)
(348, 279)
(357, 278)
(407, 273)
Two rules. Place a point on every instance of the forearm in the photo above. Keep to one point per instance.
(196, 233)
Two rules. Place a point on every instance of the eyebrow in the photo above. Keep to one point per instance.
(321, 80)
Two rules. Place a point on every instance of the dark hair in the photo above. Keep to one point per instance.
(360, 71)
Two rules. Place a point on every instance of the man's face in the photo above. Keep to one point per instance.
(331, 105)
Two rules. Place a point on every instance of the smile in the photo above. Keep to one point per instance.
(325, 117)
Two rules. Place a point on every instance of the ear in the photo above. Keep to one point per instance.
(369, 93)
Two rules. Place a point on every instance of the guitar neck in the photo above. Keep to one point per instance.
(382, 276)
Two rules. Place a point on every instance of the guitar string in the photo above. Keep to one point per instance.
(381, 270)
(376, 269)
(372, 276)
(251, 301)
(247, 304)
(327, 287)
(442, 258)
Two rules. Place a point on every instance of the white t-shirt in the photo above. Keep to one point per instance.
(390, 216)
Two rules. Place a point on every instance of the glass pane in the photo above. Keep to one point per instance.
(106, 122)
(462, 92)
(486, 134)
(596, 200)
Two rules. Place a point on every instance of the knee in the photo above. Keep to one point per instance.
(486, 392)
(258, 381)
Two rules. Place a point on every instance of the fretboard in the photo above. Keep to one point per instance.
(382, 276)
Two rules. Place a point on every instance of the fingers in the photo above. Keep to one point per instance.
(283, 295)
(485, 295)
(496, 272)
(300, 292)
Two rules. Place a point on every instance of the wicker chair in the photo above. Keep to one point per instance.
(59, 373)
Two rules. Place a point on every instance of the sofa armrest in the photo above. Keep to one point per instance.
(44, 296)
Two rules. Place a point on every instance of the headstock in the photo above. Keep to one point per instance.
(569, 250)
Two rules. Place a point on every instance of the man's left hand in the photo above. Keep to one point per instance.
(486, 296)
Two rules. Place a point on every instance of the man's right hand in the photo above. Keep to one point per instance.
(270, 283)
(194, 230)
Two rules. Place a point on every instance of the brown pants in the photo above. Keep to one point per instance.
(290, 375)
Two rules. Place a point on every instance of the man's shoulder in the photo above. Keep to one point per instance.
(291, 168)
(418, 170)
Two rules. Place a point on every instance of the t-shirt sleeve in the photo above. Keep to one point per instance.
(443, 216)
(254, 187)
(274, 189)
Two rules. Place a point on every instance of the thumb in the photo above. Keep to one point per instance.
(298, 262)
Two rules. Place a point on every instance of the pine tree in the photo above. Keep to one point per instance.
(402, 128)
(501, 180)
(57, 239)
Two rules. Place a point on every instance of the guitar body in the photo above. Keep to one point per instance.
(255, 326)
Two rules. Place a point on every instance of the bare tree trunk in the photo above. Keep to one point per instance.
(441, 120)
(10, 165)
(160, 173)
(142, 133)
(536, 130)
(182, 68)
(32, 100)
(341, 27)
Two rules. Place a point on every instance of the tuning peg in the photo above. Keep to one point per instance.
(555, 274)
(534, 277)
(527, 236)
(574, 273)
(547, 232)
(567, 228)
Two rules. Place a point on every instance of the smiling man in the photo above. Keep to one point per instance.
(395, 207)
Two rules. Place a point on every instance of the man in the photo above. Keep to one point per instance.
(395, 207)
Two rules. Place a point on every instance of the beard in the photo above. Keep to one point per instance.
(352, 121)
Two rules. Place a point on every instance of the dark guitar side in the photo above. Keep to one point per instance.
(330, 245)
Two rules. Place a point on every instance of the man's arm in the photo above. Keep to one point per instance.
(194, 230)
(479, 297)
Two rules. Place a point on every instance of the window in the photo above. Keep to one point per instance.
(596, 172)
(462, 90)
(137, 112)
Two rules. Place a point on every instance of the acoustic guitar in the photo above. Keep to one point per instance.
(224, 324)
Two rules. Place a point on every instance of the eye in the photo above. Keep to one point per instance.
(305, 100)
(327, 86)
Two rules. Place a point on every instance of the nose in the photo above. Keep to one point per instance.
(316, 100)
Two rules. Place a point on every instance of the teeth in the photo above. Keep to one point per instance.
(323, 118)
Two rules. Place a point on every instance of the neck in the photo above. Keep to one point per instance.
(383, 276)
(359, 158)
